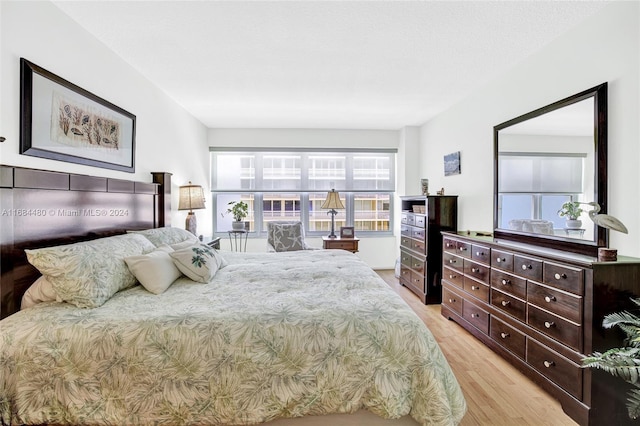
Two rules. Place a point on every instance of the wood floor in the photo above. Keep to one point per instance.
(496, 393)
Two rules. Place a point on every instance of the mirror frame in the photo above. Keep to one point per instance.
(587, 247)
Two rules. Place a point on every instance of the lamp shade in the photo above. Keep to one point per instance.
(191, 197)
(332, 201)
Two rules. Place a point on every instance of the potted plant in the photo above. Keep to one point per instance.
(572, 211)
(622, 362)
(239, 210)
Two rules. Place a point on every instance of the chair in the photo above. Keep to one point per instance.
(285, 236)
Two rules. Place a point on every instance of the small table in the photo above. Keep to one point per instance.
(235, 239)
(349, 244)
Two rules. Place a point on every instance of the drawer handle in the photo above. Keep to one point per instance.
(504, 335)
(505, 303)
(452, 261)
(415, 280)
(405, 258)
(525, 267)
(560, 276)
(499, 259)
(549, 299)
(475, 315)
(549, 324)
(452, 276)
(448, 245)
(475, 270)
(405, 272)
(417, 265)
(452, 300)
(549, 363)
(473, 287)
(479, 253)
(505, 282)
(463, 249)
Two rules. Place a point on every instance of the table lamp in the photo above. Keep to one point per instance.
(332, 202)
(191, 198)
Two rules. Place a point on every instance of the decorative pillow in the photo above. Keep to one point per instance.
(182, 245)
(167, 235)
(40, 291)
(156, 270)
(285, 236)
(87, 274)
(198, 262)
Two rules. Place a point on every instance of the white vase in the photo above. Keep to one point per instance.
(237, 226)
(573, 224)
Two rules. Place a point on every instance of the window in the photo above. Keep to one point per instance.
(293, 184)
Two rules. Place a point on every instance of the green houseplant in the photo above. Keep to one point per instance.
(572, 211)
(239, 210)
(622, 362)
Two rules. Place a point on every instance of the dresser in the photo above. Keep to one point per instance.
(542, 310)
(422, 221)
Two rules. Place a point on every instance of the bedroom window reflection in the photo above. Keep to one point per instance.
(292, 185)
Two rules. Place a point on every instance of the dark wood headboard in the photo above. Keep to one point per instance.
(40, 208)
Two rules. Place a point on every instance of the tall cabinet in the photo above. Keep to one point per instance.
(422, 221)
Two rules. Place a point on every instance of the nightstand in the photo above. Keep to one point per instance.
(349, 244)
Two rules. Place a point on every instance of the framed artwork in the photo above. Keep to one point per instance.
(452, 164)
(61, 121)
(346, 232)
(424, 185)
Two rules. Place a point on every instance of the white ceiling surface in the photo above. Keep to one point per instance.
(323, 64)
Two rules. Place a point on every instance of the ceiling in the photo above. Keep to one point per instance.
(323, 64)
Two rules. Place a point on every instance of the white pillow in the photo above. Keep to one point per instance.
(198, 262)
(87, 274)
(40, 291)
(156, 270)
(167, 235)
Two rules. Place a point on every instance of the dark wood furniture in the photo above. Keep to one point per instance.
(349, 244)
(40, 208)
(542, 310)
(421, 242)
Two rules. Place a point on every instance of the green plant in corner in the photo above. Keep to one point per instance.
(622, 362)
(570, 209)
(239, 210)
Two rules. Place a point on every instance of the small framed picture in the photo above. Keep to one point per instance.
(346, 232)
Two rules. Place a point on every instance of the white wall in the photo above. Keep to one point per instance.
(603, 48)
(167, 137)
(379, 253)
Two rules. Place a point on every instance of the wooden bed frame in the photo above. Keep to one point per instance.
(40, 208)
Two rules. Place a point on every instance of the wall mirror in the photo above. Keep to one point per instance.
(554, 155)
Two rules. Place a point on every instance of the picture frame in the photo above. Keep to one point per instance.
(452, 164)
(347, 232)
(64, 122)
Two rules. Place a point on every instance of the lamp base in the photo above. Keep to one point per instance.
(191, 223)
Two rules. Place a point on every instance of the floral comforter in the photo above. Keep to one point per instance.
(272, 335)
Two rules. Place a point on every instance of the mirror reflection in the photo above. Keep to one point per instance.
(546, 173)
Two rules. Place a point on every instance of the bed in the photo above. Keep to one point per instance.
(264, 336)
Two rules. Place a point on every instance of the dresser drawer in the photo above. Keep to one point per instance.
(515, 307)
(481, 254)
(508, 283)
(555, 367)
(476, 316)
(464, 249)
(564, 277)
(452, 300)
(418, 233)
(502, 259)
(420, 221)
(561, 303)
(449, 245)
(476, 270)
(405, 273)
(407, 242)
(452, 276)
(476, 289)
(452, 261)
(417, 264)
(510, 338)
(405, 230)
(527, 267)
(419, 246)
(417, 280)
(556, 327)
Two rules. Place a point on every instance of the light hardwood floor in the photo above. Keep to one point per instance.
(496, 393)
